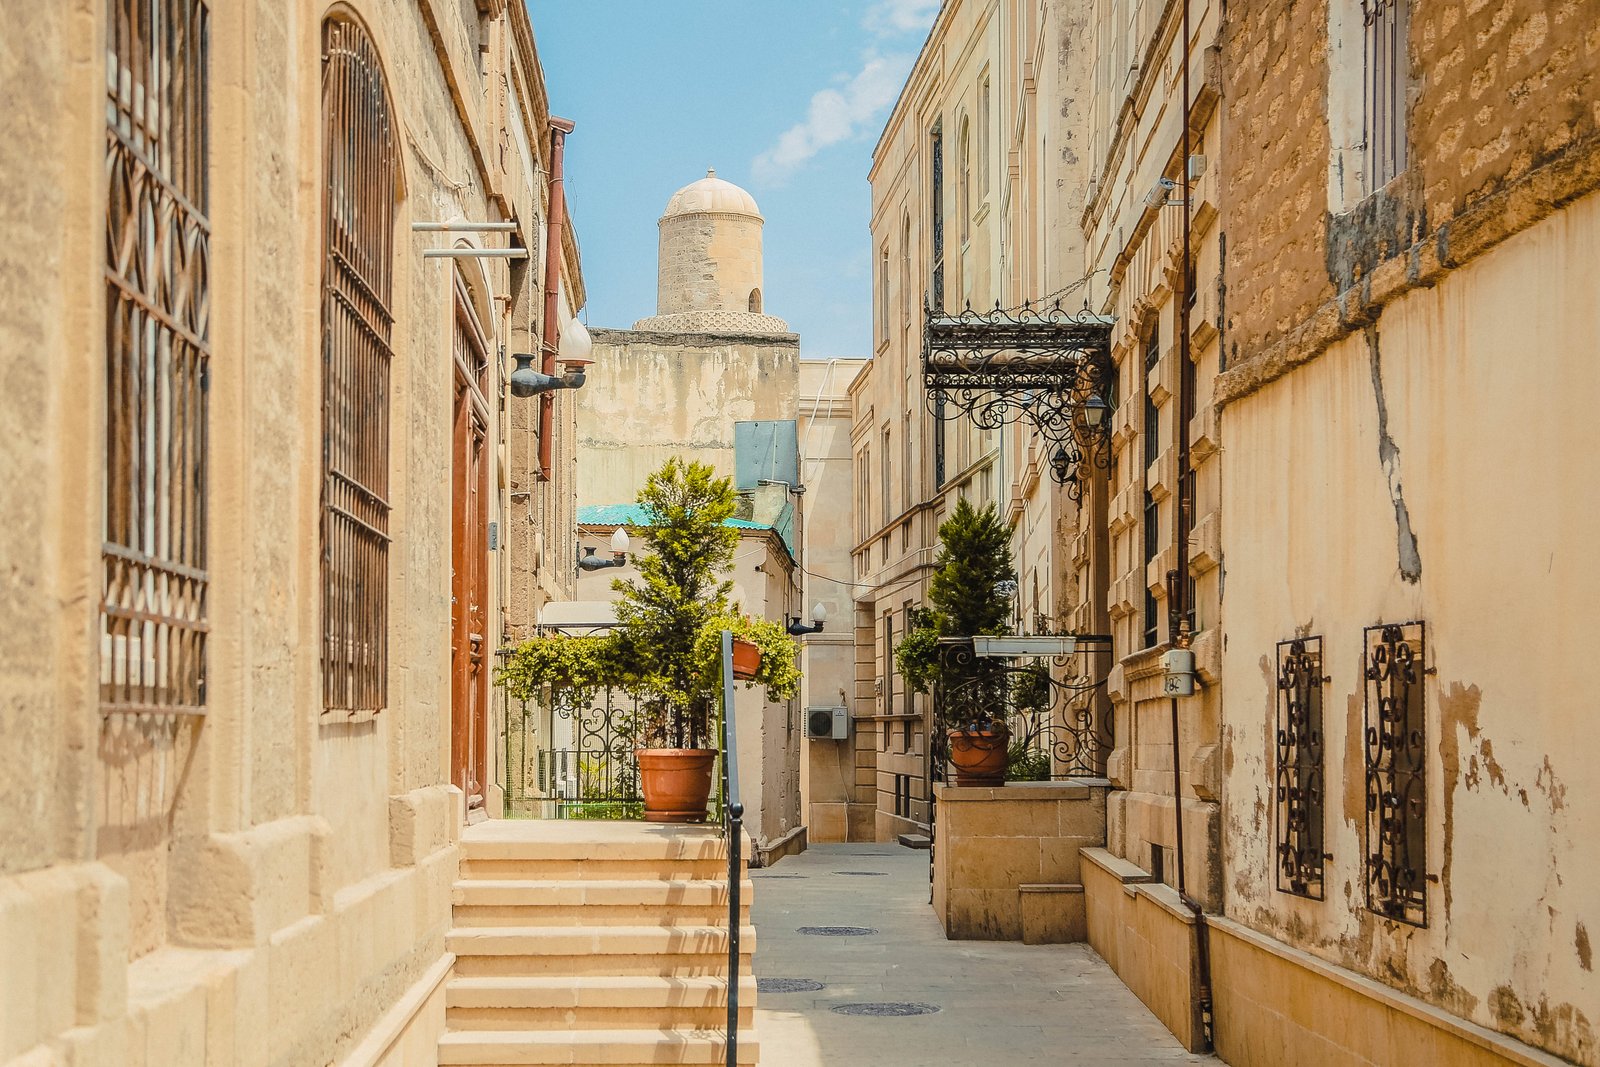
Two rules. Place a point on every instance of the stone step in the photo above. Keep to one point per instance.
(561, 1002)
(601, 869)
(705, 845)
(614, 1048)
(524, 902)
(683, 951)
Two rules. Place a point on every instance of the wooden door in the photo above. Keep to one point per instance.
(469, 615)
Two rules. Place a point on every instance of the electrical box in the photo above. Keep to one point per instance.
(828, 724)
(1177, 678)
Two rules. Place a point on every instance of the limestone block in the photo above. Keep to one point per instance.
(1208, 655)
(237, 888)
(420, 823)
(1117, 683)
(175, 1020)
(983, 915)
(102, 945)
(301, 980)
(1053, 914)
(1205, 772)
(1205, 543)
(827, 822)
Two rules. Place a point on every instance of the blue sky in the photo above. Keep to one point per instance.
(783, 97)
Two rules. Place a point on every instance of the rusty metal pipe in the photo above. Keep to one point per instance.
(555, 224)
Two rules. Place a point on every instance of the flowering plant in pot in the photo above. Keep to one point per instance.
(661, 616)
(968, 595)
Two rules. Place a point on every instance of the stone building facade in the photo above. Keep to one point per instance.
(1405, 411)
(675, 384)
(1348, 318)
(253, 434)
(963, 214)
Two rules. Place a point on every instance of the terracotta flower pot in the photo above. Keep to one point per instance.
(746, 659)
(676, 783)
(980, 755)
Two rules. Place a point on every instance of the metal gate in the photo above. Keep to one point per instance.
(567, 759)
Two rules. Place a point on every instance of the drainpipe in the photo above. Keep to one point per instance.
(554, 225)
(1178, 594)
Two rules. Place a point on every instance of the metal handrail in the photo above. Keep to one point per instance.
(733, 830)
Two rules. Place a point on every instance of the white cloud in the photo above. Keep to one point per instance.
(889, 17)
(840, 113)
(837, 114)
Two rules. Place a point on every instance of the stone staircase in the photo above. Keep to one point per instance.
(594, 943)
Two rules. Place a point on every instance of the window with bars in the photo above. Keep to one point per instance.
(153, 597)
(357, 278)
(1151, 431)
(1397, 756)
(1386, 28)
(1298, 791)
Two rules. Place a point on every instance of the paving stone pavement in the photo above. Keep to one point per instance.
(1000, 1003)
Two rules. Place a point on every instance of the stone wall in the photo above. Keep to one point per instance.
(260, 885)
(651, 396)
(1435, 326)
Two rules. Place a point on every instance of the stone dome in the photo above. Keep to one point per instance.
(712, 195)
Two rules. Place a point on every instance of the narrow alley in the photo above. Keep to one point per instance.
(995, 1002)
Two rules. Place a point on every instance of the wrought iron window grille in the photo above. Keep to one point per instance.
(154, 567)
(1396, 772)
(1039, 366)
(1299, 787)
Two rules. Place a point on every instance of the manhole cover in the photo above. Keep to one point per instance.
(787, 985)
(838, 931)
(865, 874)
(886, 1011)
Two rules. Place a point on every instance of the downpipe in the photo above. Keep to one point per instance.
(1178, 584)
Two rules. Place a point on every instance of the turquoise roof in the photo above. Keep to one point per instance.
(634, 515)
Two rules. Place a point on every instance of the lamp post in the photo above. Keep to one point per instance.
(619, 553)
(819, 615)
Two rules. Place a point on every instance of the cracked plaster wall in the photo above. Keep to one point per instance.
(1483, 398)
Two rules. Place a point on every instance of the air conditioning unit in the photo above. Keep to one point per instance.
(828, 724)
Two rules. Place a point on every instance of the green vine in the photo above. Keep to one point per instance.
(779, 673)
(578, 665)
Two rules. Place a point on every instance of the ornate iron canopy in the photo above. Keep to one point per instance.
(1046, 366)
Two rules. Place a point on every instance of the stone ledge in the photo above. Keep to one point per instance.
(1069, 789)
(1123, 871)
(1497, 1043)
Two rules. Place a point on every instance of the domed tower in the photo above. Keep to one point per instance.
(709, 275)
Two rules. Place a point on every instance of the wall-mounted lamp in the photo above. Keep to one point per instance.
(619, 553)
(575, 346)
(1095, 410)
(819, 615)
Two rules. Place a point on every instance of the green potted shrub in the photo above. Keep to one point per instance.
(680, 589)
(935, 656)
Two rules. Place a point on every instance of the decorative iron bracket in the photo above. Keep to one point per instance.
(1048, 367)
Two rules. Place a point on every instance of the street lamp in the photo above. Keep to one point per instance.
(619, 553)
(819, 615)
(575, 346)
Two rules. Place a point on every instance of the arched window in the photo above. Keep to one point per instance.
(965, 193)
(908, 289)
(983, 139)
(359, 172)
(755, 301)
